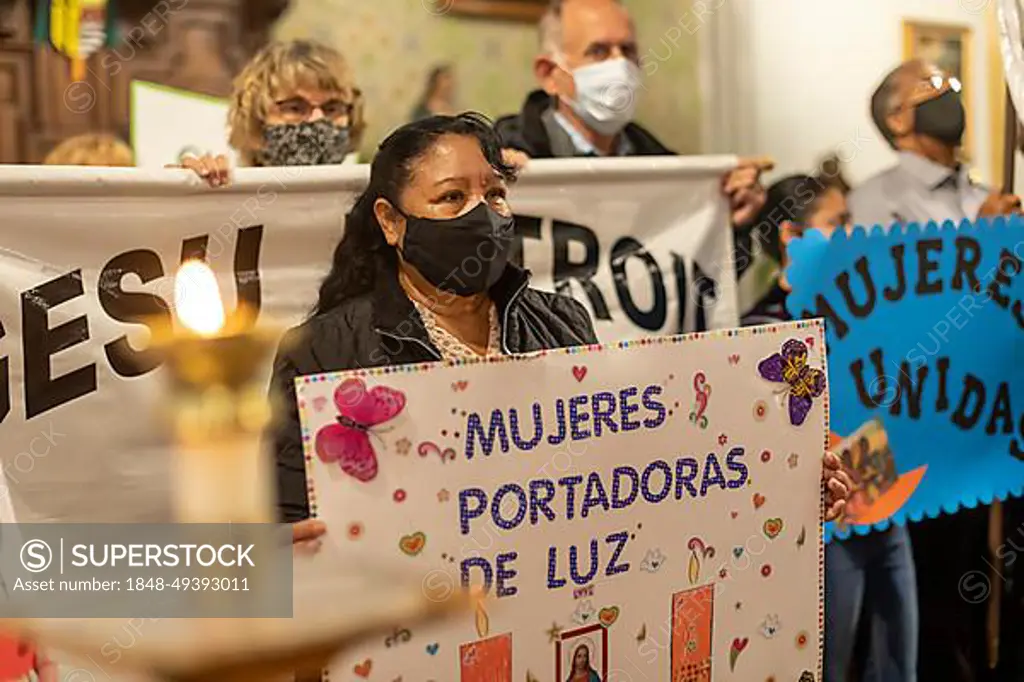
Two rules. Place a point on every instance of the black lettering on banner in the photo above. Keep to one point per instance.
(247, 266)
(133, 307)
(704, 291)
(707, 294)
(194, 248)
(1015, 448)
(653, 319)
(901, 276)
(906, 387)
(682, 290)
(247, 270)
(562, 234)
(1009, 266)
(967, 265)
(942, 402)
(5, 381)
(972, 386)
(927, 265)
(527, 227)
(1001, 412)
(40, 342)
(879, 397)
(858, 310)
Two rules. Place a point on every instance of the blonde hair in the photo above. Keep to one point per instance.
(91, 149)
(277, 70)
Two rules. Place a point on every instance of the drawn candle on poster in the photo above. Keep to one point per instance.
(601, 497)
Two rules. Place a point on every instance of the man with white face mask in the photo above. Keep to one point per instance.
(590, 81)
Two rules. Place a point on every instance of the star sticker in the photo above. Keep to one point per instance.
(793, 460)
(553, 633)
(442, 495)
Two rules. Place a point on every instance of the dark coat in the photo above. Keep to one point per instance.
(527, 132)
(382, 328)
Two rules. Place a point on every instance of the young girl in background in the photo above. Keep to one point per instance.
(871, 575)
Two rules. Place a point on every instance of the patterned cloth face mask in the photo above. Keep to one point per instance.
(309, 143)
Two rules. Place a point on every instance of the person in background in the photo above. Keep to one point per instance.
(590, 78)
(866, 575)
(793, 205)
(294, 104)
(91, 149)
(918, 111)
(438, 98)
(757, 248)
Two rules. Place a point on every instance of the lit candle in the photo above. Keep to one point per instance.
(197, 299)
(218, 406)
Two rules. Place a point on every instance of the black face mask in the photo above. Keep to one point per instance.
(304, 144)
(464, 255)
(942, 118)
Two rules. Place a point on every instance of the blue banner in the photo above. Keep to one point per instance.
(925, 333)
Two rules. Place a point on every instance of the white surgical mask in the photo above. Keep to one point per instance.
(606, 94)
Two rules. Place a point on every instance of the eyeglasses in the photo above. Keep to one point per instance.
(301, 109)
(929, 87)
(937, 81)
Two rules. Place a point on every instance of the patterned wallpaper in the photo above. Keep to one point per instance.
(392, 44)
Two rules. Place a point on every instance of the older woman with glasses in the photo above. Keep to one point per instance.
(294, 104)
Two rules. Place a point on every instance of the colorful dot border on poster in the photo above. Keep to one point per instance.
(816, 325)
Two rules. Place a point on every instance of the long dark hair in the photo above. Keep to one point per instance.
(793, 199)
(363, 255)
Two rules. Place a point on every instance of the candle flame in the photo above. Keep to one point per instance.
(197, 298)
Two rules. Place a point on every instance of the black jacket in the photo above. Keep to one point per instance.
(527, 132)
(382, 328)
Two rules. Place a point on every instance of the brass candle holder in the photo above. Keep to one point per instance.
(217, 407)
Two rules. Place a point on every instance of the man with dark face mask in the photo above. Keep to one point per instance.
(918, 111)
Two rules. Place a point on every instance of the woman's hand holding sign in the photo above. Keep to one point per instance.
(215, 171)
(837, 486)
(306, 536)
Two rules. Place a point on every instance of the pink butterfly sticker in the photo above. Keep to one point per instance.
(347, 441)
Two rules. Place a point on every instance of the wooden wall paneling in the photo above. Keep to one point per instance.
(198, 45)
(14, 90)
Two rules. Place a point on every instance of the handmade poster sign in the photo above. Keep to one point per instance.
(925, 330)
(648, 509)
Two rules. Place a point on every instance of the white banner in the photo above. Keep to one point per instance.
(85, 254)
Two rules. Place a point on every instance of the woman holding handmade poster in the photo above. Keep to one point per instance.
(422, 274)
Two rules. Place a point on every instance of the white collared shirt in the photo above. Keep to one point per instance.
(583, 145)
(916, 190)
